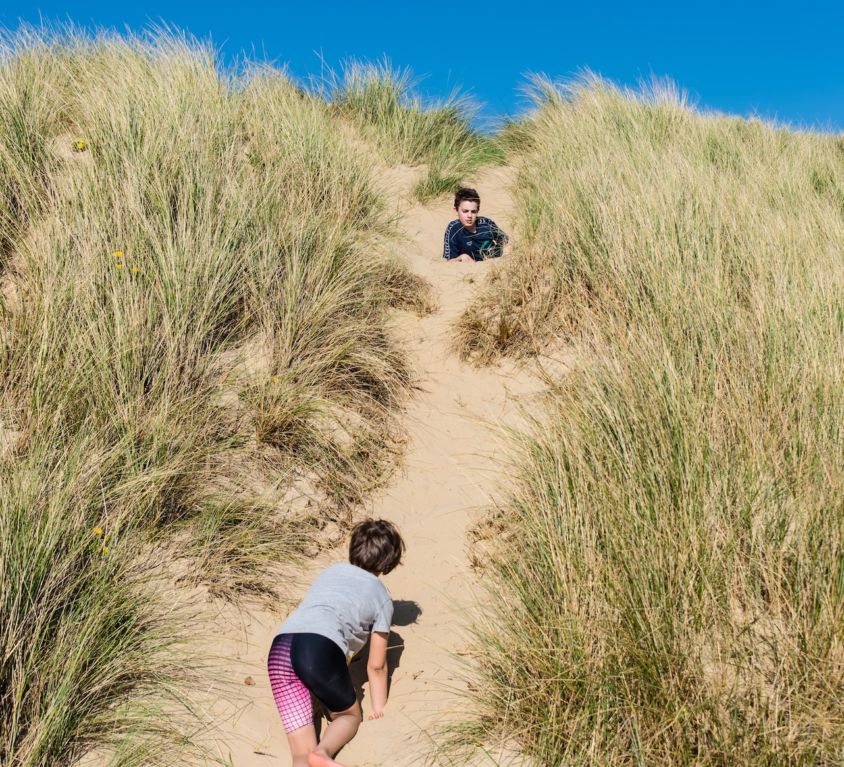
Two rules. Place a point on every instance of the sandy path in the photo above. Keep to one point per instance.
(447, 476)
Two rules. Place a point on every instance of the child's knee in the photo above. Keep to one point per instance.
(354, 713)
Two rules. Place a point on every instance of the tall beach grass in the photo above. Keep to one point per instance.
(667, 578)
(195, 366)
(382, 102)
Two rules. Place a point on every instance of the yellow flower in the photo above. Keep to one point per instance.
(118, 254)
(106, 549)
(98, 531)
(80, 146)
(135, 269)
(274, 379)
(119, 265)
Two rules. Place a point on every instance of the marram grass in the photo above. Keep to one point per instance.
(667, 577)
(381, 101)
(195, 271)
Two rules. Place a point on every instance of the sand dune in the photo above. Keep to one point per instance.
(449, 472)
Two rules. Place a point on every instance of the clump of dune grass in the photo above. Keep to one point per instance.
(27, 114)
(667, 570)
(88, 661)
(235, 545)
(692, 183)
(382, 102)
(201, 271)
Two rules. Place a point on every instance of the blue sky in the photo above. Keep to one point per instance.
(777, 60)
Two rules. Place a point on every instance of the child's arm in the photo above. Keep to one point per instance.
(448, 241)
(376, 671)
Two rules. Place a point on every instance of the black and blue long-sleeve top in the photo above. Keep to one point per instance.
(487, 241)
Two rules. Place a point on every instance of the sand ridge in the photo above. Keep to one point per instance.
(448, 474)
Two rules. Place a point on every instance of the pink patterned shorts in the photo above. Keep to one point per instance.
(292, 698)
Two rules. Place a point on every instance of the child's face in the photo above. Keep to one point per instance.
(467, 212)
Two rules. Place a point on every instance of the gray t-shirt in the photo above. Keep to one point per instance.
(345, 604)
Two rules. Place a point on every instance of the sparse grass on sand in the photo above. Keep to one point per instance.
(381, 102)
(667, 572)
(195, 275)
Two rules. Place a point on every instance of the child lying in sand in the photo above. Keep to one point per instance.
(345, 606)
(471, 237)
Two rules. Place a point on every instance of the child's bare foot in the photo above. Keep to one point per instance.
(321, 760)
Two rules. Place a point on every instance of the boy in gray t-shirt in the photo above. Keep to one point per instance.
(346, 605)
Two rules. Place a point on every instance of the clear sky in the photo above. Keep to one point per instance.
(777, 60)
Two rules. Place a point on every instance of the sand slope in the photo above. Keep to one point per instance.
(448, 474)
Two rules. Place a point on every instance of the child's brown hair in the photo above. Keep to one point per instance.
(376, 546)
(468, 194)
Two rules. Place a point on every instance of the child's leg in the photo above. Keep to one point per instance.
(344, 726)
(322, 667)
(302, 742)
(293, 700)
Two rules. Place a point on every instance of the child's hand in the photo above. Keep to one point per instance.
(376, 715)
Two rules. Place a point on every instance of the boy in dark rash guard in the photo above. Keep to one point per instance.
(471, 237)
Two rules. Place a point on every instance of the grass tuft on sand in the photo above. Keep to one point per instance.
(381, 102)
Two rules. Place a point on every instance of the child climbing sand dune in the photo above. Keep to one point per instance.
(346, 606)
